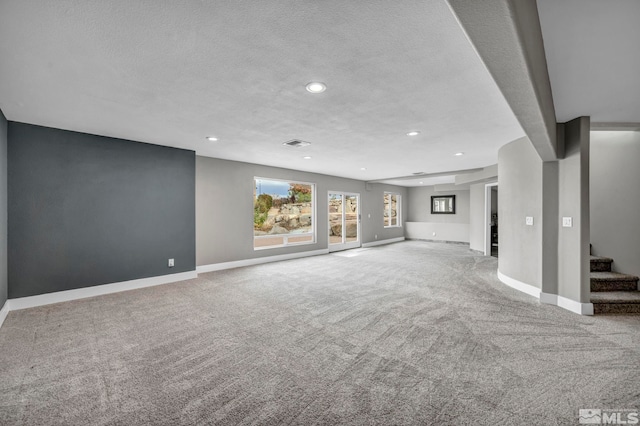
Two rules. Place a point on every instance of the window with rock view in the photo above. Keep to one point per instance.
(283, 213)
(391, 209)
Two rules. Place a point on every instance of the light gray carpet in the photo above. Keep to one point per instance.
(410, 333)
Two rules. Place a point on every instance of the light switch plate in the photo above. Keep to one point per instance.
(567, 222)
(529, 220)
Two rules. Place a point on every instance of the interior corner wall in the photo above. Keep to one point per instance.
(573, 196)
(3, 210)
(224, 209)
(86, 210)
(520, 183)
(476, 217)
(373, 212)
(615, 199)
(421, 224)
(550, 222)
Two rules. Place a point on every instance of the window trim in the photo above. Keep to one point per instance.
(398, 210)
(285, 237)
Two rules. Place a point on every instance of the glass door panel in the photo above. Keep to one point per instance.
(344, 221)
(335, 218)
(351, 218)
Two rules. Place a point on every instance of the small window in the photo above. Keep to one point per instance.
(443, 204)
(283, 213)
(392, 213)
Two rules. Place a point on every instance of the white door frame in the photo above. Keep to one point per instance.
(345, 245)
(487, 217)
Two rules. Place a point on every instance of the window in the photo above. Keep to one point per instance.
(392, 206)
(283, 213)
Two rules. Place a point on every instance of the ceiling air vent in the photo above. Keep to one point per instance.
(296, 143)
(418, 173)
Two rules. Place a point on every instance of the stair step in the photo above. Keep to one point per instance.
(616, 302)
(600, 264)
(613, 281)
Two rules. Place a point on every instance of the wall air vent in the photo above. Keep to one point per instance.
(296, 143)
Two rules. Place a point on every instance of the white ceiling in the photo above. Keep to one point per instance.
(172, 73)
(593, 57)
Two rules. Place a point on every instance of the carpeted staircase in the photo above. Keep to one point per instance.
(611, 292)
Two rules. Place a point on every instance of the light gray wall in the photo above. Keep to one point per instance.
(86, 210)
(476, 217)
(224, 209)
(3, 210)
(615, 198)
(440, 227)
(573, 195)
(420, 206)
(520, 183)
(546, 255)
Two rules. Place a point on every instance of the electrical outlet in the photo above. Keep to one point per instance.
(171, 263)
(529, 220)
(376, 236)
(567, 222)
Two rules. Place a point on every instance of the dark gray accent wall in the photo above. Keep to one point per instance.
(3, 210)
(550, 222)
(86, 210)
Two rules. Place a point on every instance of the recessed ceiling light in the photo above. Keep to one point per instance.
(316, 87)
(413, 133)
(363, 168)
(421, 183)
(307, 158)
(458, 154)
(212, 138)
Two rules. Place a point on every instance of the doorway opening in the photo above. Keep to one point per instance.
(491, 220)
(344, 220)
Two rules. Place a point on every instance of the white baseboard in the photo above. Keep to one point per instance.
(548, 298)
(383, 242)
(98, 290)
(257, 261)
(4, 312)
(464, 243)
(568, 304)
(519, 285)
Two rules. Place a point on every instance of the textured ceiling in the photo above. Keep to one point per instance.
(172, 73)
(592, 57)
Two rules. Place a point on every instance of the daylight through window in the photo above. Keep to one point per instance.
(283, 213)
(392, 207)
